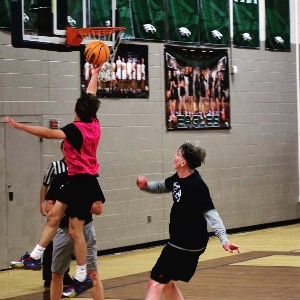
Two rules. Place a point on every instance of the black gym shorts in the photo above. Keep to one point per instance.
(175, 264)
(80, 192)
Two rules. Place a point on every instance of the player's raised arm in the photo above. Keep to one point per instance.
(42, 132)
(92, 87)
(157, 187)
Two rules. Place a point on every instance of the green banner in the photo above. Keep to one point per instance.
(5, 18)
(246, 23)
(100, 12)
(278, 25)
(148, 19)
(183, 20)
(214, 24)
(125, 17)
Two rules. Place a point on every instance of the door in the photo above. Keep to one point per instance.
(20, 157)
(3, 202)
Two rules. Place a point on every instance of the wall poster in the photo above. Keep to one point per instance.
(124, 77)
(196, 88)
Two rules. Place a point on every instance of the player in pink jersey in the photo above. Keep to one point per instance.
(82, 190)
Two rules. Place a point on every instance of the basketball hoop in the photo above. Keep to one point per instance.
(112, 36)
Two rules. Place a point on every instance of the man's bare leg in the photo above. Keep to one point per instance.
(56, 287)
(97, 289)
(154, 290)
(76, 234)
(50, 228)
(53, 219)
(171, 292)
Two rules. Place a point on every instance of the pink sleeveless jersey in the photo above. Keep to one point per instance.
(84, 159)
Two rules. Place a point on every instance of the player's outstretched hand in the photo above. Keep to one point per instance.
(142, 182)
(230, 247)
(95, 69)
(10, 121)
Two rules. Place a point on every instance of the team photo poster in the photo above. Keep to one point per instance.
(197, 88)
(124, 77)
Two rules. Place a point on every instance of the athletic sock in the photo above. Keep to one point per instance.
(81, 273)
(37, 252)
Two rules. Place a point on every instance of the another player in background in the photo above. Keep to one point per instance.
(81, 141)
(191, 212)
(53, 170)
(63, 247)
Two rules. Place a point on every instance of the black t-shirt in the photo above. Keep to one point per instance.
(191, 198)
(74, 136)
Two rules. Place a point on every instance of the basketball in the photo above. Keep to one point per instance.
(96, 52)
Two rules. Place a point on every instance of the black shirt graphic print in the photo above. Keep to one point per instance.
(191, 198)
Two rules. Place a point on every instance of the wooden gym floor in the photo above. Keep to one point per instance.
(267, 269)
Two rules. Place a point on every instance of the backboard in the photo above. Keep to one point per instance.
(41, 24)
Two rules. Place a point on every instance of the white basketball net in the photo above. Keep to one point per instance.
(112, 39)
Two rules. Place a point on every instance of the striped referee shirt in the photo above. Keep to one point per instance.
(56, 167)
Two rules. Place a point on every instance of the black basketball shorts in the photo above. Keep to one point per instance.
(175, 264)
(80, 192)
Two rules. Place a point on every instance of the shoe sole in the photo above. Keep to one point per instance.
(74, 293)
(71, 295)
(16, 265)
(20, 266)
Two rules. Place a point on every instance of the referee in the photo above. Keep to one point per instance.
(54, 169)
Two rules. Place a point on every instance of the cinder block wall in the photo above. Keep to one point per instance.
(251, 169)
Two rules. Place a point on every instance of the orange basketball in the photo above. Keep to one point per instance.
(96, 52)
